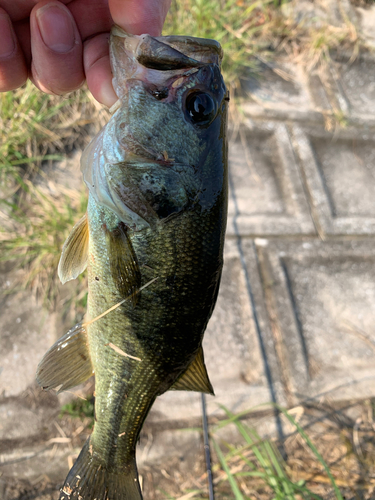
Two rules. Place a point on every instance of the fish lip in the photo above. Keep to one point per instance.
(202, 48)
(194, 50)
(132, 51)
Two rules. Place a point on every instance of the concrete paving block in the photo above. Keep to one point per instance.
(239, 352)
(17, 422)
(306, 13)
(339, 170)
(279, 86)
(33, 462)
(158, 447)
(357, 85)
(318, 91)
(327, 93)
(266, 193)
(285, 91)
(258, 112)
(323, 298)
(366, 15)
(27, 331)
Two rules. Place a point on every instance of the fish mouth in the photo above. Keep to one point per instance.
(160, 60)
(166, 53)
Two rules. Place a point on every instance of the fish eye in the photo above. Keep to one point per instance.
(201, 108)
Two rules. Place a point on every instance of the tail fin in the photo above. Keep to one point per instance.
(89, 480)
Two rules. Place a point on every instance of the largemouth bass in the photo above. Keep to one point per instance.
(152, 241)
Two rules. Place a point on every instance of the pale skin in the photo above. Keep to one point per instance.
(60, 44)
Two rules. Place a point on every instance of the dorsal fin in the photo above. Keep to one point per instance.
(123, 262)
(73, 260)
(195, 378)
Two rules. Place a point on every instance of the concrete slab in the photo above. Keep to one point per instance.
(27, 330)
(339, 173)
(366, 15)
(239, 351)
(323, 295)
(318, 91)
(16, 421)
(266, 192)
(357, 84)
(33, 462)
(280, 85)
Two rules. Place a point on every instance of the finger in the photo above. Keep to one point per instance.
(98, 69)
(20, 9)
(140, 16)
(13, 71)
(91, 16)
(56, 48)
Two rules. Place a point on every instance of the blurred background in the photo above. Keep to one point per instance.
(290, 347)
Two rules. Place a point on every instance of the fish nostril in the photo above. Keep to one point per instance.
(159, 93)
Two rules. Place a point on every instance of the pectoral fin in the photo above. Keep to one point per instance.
(195, 378)
(73, 260)
(123, 262)
(67, 362)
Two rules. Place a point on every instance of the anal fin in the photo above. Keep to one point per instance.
(67, 363)
(73, 260)
(195, 378)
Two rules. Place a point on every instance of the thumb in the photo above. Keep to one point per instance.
(140, 16)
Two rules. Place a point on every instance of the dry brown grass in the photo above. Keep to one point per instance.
(342, 433)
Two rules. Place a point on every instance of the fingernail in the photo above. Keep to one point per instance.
(107, 95)
(7, 45)
(56, 28)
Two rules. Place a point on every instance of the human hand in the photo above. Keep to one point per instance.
(59, 44)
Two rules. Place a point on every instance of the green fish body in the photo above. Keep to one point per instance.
(152, 240)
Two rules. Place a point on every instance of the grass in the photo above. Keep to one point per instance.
(40, 225)
(36, 128)
(36, 213)
(260, 460)
(253, 31)
(325, 455)
(233, 23)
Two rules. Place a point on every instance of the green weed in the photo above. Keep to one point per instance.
(36, 129)
(330, 460)
(80, 408)
(259, 460)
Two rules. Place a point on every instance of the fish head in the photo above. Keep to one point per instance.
(172, 94)
(164, 149)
